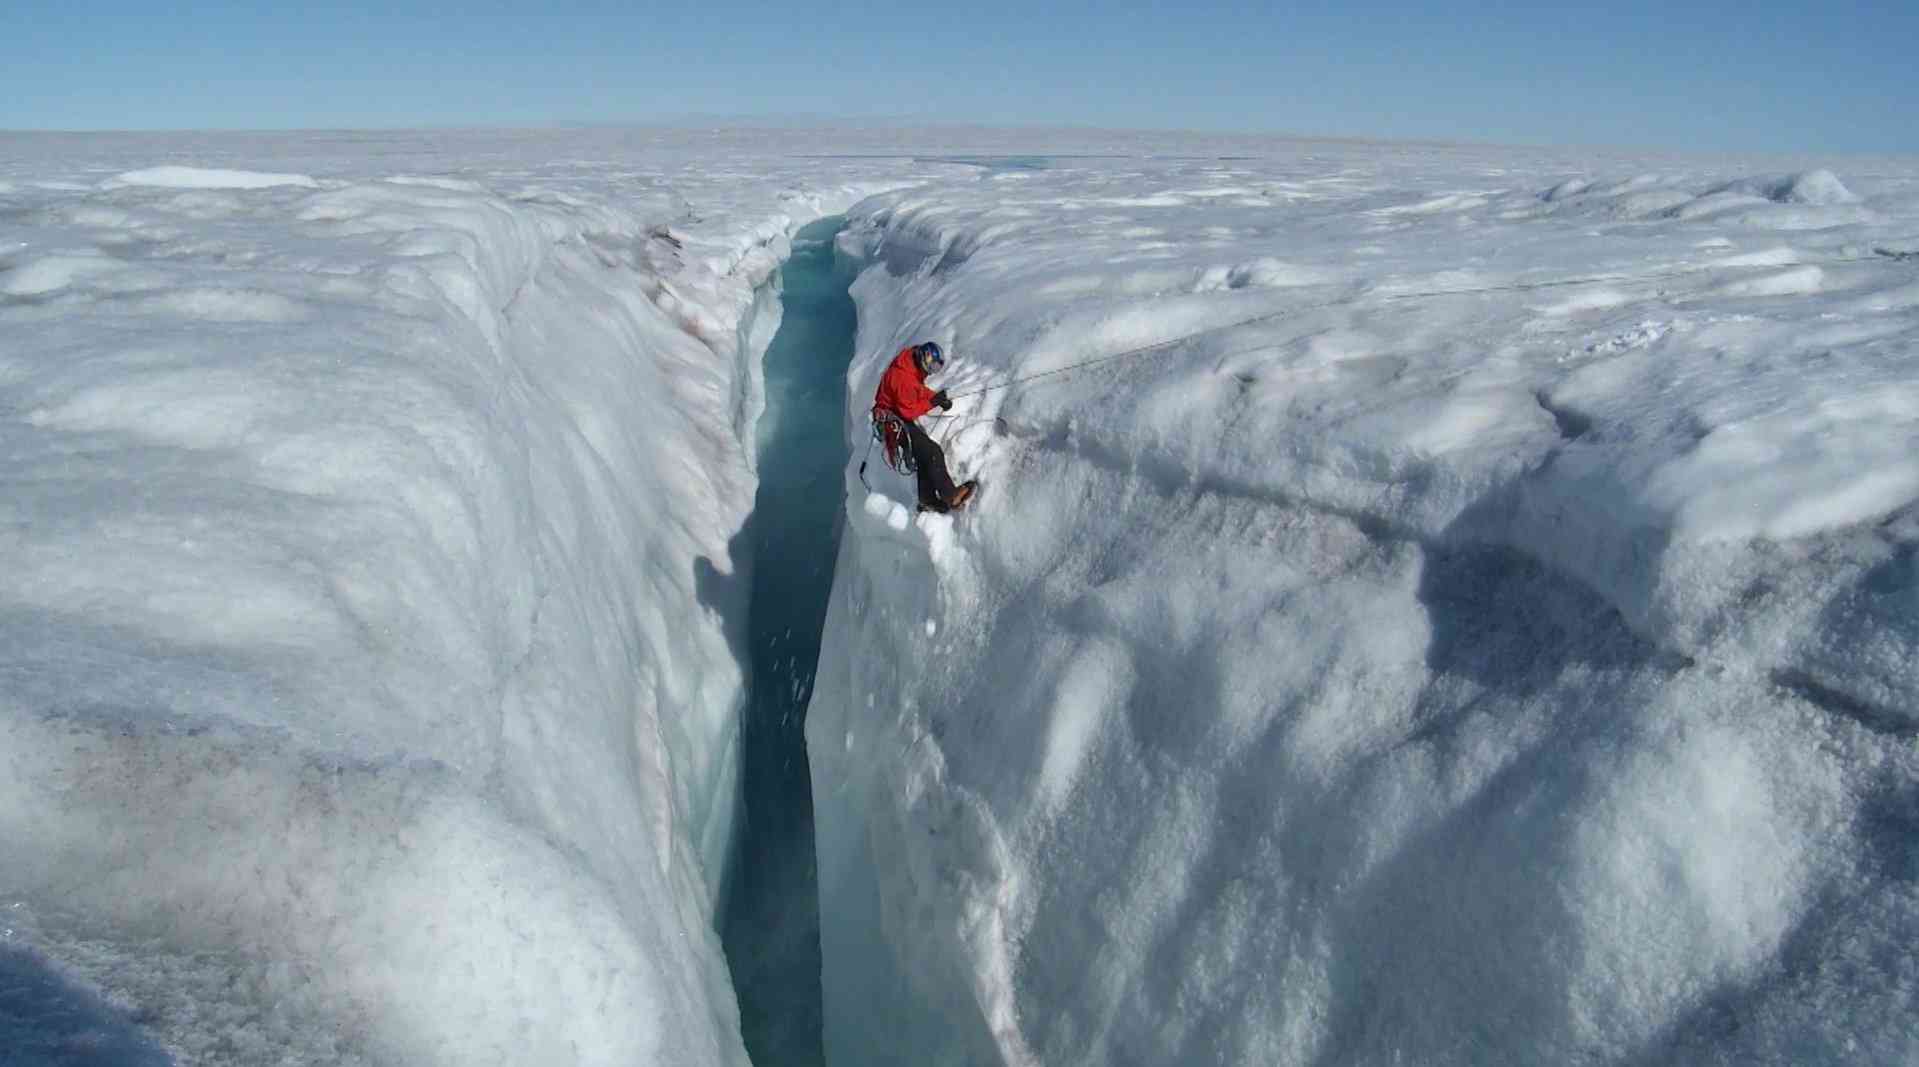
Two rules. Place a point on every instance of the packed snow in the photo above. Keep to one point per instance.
(179, 177)
(1479, 626)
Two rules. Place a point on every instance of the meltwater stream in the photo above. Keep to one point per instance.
(770, 926)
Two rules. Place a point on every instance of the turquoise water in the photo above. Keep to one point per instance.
(770, 925)
(45, 1021)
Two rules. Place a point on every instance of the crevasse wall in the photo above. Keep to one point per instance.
(369, 694)
(1405, 661)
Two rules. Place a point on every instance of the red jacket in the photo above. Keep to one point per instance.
(903, 388)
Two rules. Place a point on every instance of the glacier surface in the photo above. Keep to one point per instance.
(1364, 675)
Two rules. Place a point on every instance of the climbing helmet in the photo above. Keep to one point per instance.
(929, 357)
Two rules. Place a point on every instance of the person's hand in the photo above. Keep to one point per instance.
(942, 401)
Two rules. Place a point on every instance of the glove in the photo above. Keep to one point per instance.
(942, 401)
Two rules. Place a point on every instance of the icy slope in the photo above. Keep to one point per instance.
(1524, 674)
(364, 689)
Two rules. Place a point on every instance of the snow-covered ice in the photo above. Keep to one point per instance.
(1483, 630)
(1497, 647)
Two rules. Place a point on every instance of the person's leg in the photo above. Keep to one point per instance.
(935, 485)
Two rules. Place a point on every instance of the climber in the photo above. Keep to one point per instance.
(904, 397)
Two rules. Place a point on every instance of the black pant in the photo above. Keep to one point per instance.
(936, 486)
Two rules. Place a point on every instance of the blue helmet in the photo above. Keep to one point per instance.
(929, 357)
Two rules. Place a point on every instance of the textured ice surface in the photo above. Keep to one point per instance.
(1514, 676)
(1525, 674)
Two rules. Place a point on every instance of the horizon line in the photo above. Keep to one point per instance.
(807, 120)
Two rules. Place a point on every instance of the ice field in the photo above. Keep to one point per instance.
(1478, 627)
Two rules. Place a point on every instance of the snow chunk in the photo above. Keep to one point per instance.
(1595, 299)
(1794, 474)
(1571, 187)
(226, 305)
(891, 513)
(1638, 336)
(50, 274)
(1817, 187)
(1266, 272)
(1459, 201)
(180, 177)
(1796, 282)
(1781, 256)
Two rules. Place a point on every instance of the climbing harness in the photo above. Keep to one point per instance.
(896, 445)
(890, 433)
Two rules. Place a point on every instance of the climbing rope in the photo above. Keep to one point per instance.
(1878, 255)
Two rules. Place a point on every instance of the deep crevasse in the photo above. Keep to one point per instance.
(770, 922)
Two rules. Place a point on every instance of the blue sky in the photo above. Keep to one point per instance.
(1761, 75)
